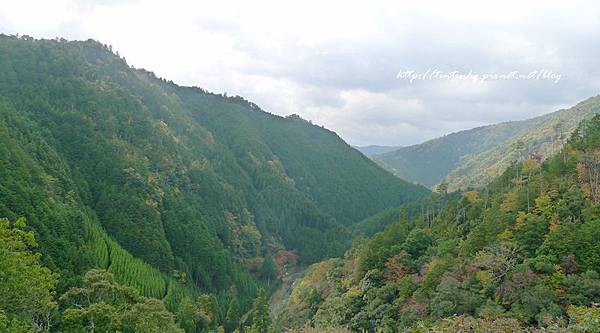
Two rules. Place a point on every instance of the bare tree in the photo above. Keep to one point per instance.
(589, 173)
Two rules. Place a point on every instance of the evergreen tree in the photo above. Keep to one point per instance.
(268, 270)
(261, 320)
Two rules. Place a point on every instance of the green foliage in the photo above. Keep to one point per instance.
(430, 162)
(133, 272)
(191, 318)
(104, 305)
(13, 325)
(381, 247)
(26, 287)
(475, 157)
(268, 270)
(178, 291)
(519, 255)
(584, 319)
(260, 313)
(150, 315)
(174, 190)
(233, 316)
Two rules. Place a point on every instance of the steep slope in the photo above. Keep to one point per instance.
(193, 186)
(474, 157)
(429, 162)
(521, 255)
(541, 139)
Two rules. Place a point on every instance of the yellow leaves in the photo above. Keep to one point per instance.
(229, 217)
(347, 283)
(510, 203)
(585, 317)
(428, 267)
(558, 268)
(163, 126)
(484, 277)
(553, 194)
(580, 171)
(315, 280)
(151, 203)
(20, 223)
(553, 225)
(472, 196)
(586, 190)
(354, 292)
(520, 219)
(543, 203)
(481, 256)
(505, 236)
(251, 233)
(530, 166)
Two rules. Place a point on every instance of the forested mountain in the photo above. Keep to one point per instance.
(520, 255)
(170, 190)
(474, 157)
(429, 162)
(540, 140)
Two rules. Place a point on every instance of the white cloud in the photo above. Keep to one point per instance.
(335, 62)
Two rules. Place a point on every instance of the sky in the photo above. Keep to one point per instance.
(375, 72)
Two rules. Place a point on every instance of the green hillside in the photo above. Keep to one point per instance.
(429, 162)
(541, 139)
(173, 190)
(472, 158)
(520, 255)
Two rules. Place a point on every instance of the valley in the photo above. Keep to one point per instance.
(130, 203)
(473, 158)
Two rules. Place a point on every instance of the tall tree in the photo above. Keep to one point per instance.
(26, 287)
(260, 313)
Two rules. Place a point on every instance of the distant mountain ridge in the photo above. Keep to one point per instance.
(376, 150)
(472, 158)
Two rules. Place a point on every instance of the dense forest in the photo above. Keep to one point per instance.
(522, 254)
(475, 157)
(132, 204)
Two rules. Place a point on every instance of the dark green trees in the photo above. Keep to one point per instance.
(199, 316)
(260, 313)
(268, 270)
(519, 255)
(29, 303)
(120, 170)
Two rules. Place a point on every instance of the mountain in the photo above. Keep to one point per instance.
(541, 139)
(429, 162)
(520, 255)
(474, 157)
(376, 150)
(174, 190)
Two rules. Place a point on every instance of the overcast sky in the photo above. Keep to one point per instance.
(337, 63)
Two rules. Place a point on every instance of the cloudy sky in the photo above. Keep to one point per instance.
(348, 65)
